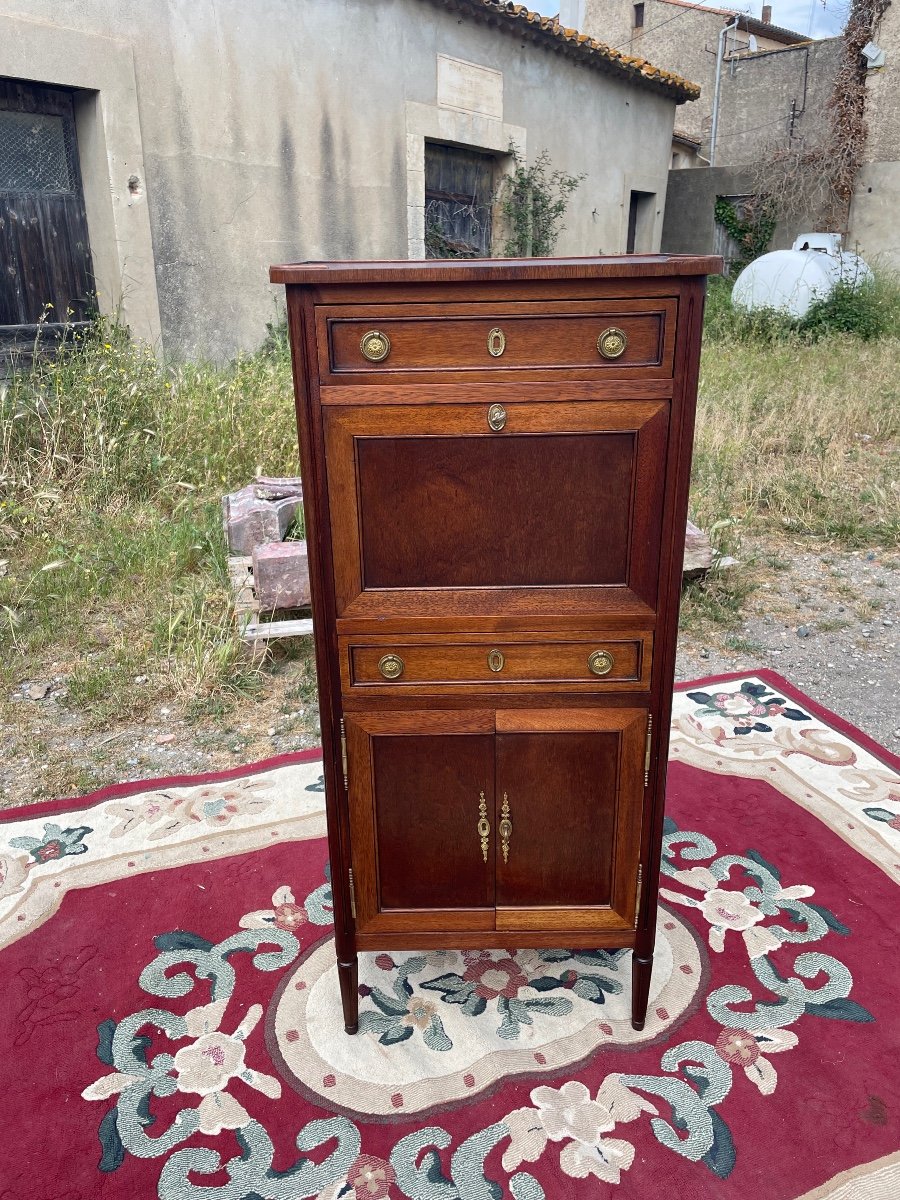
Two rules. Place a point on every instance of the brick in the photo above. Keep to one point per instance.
(281, 575)
(261, 512)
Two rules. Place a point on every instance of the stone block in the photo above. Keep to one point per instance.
(281, 575)
(261, 512)
(698, 553)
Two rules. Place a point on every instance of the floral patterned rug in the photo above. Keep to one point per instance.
(170, 1022)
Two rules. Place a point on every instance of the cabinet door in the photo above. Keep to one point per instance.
(554, 508)
(570, 785)
(421, 784)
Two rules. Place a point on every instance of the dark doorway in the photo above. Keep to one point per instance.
(459, 188)
(640, 222)
(44, 244)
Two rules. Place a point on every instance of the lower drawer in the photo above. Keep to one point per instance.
(576, 662)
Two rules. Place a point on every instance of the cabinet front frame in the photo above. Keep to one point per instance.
(647, 420)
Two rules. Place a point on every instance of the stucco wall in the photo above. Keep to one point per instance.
(280, 131)
(677, 38)
(760, 91)
(883, 92)
(874, 227)
(690, 223)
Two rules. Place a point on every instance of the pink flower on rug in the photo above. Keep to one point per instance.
(170, 811)
(285, 913)
(502, 977)
(205, 1068)
(569, 1114)
(371, 1177)
(728, 909)
(739, 1048)
(737, 705)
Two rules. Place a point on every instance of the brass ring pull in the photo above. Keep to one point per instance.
(496, 660)
(612, 342)
(375, 345)
(601, 662)
(484, 829)
(505, 828)
(496, 417)
(496, 342)
(391, 666)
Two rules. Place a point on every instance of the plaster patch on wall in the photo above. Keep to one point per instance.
(469, 87)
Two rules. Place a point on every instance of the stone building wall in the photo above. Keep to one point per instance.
(773, 98)
(874, 227)
(679, 38)
(218, 137)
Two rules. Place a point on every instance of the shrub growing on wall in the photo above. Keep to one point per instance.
(532, 202)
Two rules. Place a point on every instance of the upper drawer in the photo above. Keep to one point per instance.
(570, 340)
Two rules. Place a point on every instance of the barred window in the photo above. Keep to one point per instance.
(37, 153)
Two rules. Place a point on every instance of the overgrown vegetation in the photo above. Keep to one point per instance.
(867, 312)
(532, 202)
(111, 471)
(752, 231)
(813, 179)
(798, 433)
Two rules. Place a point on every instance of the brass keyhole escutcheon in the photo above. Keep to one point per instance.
(496, 342)
(612, 342)
(496, 660)
(483, 827)
(505, 827)
(391, 666)
(496, 417)
(375, 345)
(600, 662)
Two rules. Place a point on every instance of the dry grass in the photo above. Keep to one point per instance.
(112, 466)
(803, 437)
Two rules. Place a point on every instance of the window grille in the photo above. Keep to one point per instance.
(37, 153)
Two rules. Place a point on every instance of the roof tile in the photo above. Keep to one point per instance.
(579, 46)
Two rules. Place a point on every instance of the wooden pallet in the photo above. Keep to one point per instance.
(246, 607)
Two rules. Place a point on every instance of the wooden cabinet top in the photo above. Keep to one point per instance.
(478, 270)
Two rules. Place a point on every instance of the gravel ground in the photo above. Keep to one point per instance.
(829, 622)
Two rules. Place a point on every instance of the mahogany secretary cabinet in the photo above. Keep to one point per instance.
(495, 457)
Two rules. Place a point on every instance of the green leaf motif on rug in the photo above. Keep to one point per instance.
(55, 842)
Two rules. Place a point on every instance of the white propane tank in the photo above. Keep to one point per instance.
(789, 281)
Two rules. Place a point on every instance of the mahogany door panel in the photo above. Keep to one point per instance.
(433, 509)
(402, 343)
(421, 806)
(568, 795)
(437, 511)
(558, 792)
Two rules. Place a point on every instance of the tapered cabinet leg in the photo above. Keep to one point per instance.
(348, 973)
(641, 970)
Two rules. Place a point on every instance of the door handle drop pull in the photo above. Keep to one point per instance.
(505, 828)
(484, 829)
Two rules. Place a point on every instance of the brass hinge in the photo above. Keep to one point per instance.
(637, 901)
(647, 751)
(344, 753)
(352, 895)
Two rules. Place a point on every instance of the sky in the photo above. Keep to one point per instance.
(827, 16)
